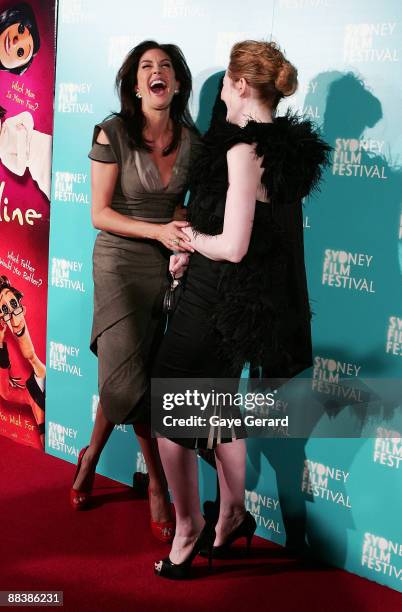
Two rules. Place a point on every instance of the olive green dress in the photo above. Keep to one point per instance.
(130, 274)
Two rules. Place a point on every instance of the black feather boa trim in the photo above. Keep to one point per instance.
(263, 314)
(294, 157)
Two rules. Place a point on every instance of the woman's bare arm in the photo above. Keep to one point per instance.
(244, 173)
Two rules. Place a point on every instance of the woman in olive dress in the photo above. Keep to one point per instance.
(139, 169)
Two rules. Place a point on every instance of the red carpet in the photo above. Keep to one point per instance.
(103, 558)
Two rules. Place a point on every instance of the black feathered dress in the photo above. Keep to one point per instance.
(255, 311)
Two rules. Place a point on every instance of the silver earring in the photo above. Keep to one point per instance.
(138, 94)
(176, 91)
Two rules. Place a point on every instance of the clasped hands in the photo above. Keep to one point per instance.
(177, 236)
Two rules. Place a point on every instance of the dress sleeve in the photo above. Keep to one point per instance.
(105, 153)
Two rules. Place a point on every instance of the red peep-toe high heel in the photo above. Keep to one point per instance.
(162, 530)
(79, 500)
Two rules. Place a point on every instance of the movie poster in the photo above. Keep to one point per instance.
(27, 66)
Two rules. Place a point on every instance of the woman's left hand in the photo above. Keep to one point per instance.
(178, 264)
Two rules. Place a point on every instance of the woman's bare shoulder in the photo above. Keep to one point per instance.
(102, 138)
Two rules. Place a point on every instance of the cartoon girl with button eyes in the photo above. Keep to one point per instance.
(32, 392)
(19, 38)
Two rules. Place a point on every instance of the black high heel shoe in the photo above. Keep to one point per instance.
(246, 530)
(180, 571)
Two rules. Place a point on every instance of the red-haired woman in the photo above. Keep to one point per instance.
(245, 298)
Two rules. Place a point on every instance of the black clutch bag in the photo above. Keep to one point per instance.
(172, 295)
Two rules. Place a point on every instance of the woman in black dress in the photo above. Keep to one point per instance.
(245, 298)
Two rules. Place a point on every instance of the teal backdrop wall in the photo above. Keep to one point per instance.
(347, 492)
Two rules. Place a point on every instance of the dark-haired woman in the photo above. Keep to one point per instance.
(19, 38)
(140, 160)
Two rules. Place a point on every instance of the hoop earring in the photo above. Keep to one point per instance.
(138, 95)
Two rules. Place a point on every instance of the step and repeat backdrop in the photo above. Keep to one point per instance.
(27, 63)
(345, 493)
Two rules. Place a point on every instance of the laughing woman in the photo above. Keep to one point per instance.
(140, 161)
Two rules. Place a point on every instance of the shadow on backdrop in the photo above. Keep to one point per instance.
(208, 95)
(361, 214)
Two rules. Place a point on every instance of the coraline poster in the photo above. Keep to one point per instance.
(27, 66)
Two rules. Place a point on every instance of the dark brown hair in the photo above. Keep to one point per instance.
(131, 111)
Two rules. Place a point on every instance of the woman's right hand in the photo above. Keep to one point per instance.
(173, 238)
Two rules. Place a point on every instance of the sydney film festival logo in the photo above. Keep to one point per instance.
(370, 42)
(329, 375)
(76, 11)
(224, 43)
(394, 337)
(331, 370)
(347, 270)
(358, 158)
(262, 507)
(308, 110)
(323, 481)
(118, 48)
(388, 448)
(187, 9)
(64, 358)
(382, 556)
(73, 98)
(71, 187)
(66, 274)
(62, 438)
